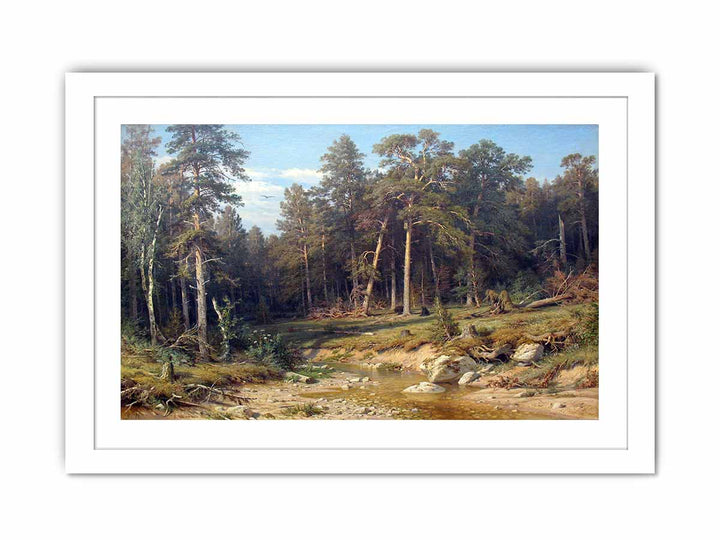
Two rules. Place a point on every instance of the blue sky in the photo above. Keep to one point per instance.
(281, 154)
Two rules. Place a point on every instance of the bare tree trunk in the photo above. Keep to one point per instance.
(224, 330)
(406, 276)
(563, 245)
(148, 283)
(307, 275)
(586, 240)
(201, 302)
(376, 259)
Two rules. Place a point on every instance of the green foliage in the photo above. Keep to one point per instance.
(587, 330)
(445, 326)
(272, 350)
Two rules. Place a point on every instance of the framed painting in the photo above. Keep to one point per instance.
(360, 273)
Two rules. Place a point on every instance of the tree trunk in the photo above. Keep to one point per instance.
(200, 272)
(201, 302)
(324, 270)
(406, 276)
(393, 280)
(185, 303)
(307, 276)
(224, 330)
(435, 276)
(586, 240)
(376, 259)
(148, 283)
(563, 245)
(354, 274)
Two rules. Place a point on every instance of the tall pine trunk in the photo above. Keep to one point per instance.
(406, 277)
(376, 259)
(324, 269)
(307, 275)
(201, 302)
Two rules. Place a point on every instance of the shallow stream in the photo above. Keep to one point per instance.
(453, 404)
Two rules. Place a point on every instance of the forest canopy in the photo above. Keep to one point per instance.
(429, 224)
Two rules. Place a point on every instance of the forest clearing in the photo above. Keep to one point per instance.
(426, 284)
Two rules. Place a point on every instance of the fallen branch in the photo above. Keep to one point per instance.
(548, 301)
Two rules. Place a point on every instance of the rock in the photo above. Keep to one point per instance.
(558, 405)
(345, 387)
(364, 410)
(291, 376)
(405, 333)
(526, 393)
(468, 377)
(424, 388)
(414, 410)
(354, 379)
(365, 379)
(447, 369)
(528, 352)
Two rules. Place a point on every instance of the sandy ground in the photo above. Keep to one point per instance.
(343, 395)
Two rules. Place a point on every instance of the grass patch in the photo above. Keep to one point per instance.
(307, 410)
(141, 384)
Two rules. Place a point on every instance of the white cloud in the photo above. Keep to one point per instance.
(261, 203)
(303, 176)
(256, 173)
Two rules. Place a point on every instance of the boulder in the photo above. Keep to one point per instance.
(447, 369)
(424, 388)
(528, 352)
(468, 377)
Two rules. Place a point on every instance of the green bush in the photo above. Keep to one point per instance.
(588, 328)
(271, 350)
(445, 326)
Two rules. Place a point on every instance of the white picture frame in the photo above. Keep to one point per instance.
(622, 440)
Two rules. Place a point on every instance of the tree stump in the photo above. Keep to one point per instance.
(424, 312)
(168, 372)
(469, 332)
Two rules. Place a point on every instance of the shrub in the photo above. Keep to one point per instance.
(445, 326)
(587, 331)
(271, 350)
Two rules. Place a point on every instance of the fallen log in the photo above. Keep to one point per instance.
(548, 301)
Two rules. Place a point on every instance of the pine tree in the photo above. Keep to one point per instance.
(211, 158)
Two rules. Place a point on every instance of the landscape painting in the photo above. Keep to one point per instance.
(359, 272)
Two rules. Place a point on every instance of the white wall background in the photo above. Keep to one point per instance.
(41, 40)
